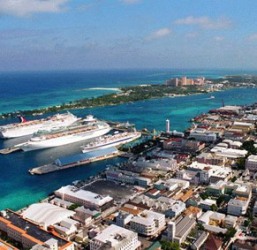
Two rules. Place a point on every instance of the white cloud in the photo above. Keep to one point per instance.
(27, 7)
(253, 37)
(218, 38)
(159, 34)
(205, 22)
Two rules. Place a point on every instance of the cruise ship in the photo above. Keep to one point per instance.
(30, 127)
(111, 140)
(67, 135)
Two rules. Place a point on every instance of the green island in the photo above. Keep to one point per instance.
(142, 92)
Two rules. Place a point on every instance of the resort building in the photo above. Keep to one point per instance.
(115, 238)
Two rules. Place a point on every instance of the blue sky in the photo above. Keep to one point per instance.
(106, 34)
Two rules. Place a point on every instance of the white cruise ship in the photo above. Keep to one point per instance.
(30, 127)
(111, 140)
(65, 136)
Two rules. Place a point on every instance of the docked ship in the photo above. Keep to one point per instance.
(89, 128)
(107, 141)
(30, 127)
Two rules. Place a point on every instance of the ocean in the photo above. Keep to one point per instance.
(30, 90)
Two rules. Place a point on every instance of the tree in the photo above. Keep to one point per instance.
(214, 207)
(169, 245)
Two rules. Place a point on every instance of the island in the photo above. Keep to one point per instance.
(181, 87)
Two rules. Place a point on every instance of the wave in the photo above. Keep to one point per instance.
(107, 89)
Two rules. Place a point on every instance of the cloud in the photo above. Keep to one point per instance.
(253, 37)
(26, 7)
(159, 34)
(130, 1)
(205, 22)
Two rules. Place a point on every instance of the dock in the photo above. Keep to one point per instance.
(6, 151)
(76, 160)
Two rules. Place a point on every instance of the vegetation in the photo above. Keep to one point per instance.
(127, 94)
(249, 146)
(230, 233)
(73, 206)
(169, 245)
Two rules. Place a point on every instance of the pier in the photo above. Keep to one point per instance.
(6, 151)
(76, 160)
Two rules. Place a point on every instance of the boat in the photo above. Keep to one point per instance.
(106, 141)
(212, 97)
(74, 133)
(30, 127)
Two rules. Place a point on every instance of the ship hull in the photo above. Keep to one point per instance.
(29, 128)
(56, 142)
(112, 144)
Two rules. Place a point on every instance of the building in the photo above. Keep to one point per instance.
(238, 206)
(182, 227)
(171, 184)
(200, 240)
(203, 135)
(213, 242)
(30, 235)
(251, 163)
(6, 246)
(148, 223)
(45, 214)
(86, 198)
(115, 238)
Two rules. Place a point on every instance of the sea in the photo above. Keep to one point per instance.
(31, 90)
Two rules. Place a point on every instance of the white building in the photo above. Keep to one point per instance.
(148, 223)
(251, 163)
(86, 198)
(229, 153)
(115, 238)
(45, 214)
(203, 135)
(238, 206)
(171, 184)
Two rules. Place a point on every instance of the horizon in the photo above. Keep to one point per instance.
(62, 35)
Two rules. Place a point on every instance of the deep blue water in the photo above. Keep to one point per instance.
(19, 91)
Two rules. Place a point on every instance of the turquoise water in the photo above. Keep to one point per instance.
(18, 188)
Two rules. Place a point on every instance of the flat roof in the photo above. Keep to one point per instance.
(32, 229)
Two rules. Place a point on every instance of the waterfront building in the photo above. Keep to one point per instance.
(148, 223)
(115, 238)
(86, 198)
(29, 234)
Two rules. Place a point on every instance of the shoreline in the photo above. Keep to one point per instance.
(122, 96)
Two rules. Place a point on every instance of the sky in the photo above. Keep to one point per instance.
(121, 34)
